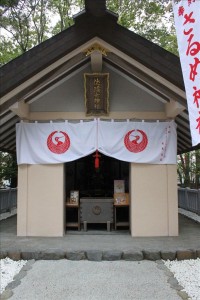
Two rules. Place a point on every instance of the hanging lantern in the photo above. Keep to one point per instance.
(96, 161)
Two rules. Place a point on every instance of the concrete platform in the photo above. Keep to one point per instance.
(101, 245)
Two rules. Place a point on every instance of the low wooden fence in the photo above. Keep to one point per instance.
(189, 199)
(8, 199)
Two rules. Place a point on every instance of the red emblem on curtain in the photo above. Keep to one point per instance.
(58, 142)
(136, 140)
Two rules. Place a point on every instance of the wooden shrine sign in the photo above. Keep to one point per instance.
(96, 87)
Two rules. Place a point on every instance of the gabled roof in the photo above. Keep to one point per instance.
(150, 65)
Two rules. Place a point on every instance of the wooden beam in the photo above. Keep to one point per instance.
(173, 109)
(20, 109)
(149, 81)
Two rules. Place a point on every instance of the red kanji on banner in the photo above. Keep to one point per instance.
(193, 69)
(196, 96)
(193, 48)
(198, 123)
(188, 18)
(181, 11)
(190, 2)
(188, 32)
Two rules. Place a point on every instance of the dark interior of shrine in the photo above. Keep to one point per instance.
(82, 175)
(90, 182)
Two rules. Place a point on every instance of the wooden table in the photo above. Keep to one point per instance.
(120, 222)
(76, 222)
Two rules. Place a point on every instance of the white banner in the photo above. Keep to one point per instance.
(187, 22)
(50, 143)
(139, 142)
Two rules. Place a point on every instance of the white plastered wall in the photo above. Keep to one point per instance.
(153, 197)
(154, 207)
(40, 200)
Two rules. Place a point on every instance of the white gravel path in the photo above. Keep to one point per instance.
(8, 269)
(6, 215)
(90, 280)
(187, 273)
(189, 214)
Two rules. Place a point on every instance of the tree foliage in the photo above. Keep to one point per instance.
(189, 169)
(26, 23)
(8, 169)
(65, 9)
(8, 50)
(148, 19)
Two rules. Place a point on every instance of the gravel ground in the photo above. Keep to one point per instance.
(189, 214)
(8, 269)
(86, 280)
(78, 280)
(187, 272)
(6, 215)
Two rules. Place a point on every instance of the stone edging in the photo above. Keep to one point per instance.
(174, 284)
(7, 293)
(98, 255)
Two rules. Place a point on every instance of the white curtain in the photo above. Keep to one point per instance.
(51, 143)
(138, 142)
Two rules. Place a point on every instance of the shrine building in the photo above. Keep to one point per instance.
(97, 115)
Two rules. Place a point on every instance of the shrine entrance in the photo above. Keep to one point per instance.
(93, 185)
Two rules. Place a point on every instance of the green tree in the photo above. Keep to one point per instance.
(8, 50)
(40, 18)
(197, 169)
(24, 24)
(30, 22)
(64, 10)
(8, 169)
(16, 22)
(188, 168)
(148, 19)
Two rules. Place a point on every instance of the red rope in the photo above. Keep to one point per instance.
(96, 161)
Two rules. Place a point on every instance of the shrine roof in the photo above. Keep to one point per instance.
(130, 53)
